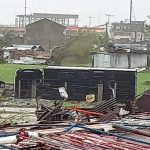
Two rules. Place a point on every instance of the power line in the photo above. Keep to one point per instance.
(108, 15)
(107, 23)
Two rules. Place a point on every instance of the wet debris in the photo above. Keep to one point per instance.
(143, 102)
(105, 111)
(81, 136)
(129, 132)
(103, 126)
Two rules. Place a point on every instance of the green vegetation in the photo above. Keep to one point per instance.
(3, 43)
(103, 40)
(76, 50)
(7, 73)
(143, 82)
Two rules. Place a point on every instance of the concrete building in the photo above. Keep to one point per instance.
(75, 30)
(120, 59)
(97, 29)
(128, 32)
(45, 33)
(64, 19)
(72, 31)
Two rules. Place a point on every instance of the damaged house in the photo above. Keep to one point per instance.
(121, 56)
(45, 33)
(26, 54)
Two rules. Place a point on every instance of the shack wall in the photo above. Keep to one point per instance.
(83, 82)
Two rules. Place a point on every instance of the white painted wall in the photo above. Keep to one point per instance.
(102, 60)
(138, 60)
(120, 60)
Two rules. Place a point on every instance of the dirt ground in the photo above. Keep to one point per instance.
(19, 111)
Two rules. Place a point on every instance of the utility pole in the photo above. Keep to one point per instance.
(107, 23)
(131, 10)
(108, 15)
(90, 19)
(25, 12)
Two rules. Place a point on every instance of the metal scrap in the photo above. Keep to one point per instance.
(83, 140)
(51, 114)
(104, 111)
(132, 130)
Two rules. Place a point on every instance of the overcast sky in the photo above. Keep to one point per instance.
(84, 8)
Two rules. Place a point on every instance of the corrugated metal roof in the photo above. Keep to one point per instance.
(87, 68)
(22, 47)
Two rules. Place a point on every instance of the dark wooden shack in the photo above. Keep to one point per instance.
(26, 83)
(81, 82)
(78, 81)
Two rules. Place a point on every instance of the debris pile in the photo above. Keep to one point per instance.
(143, 102)
(104, 111)
(47, 114)
(101, 127)
(58, 129)
(130, 133)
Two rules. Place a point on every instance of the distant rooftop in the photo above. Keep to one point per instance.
(132, 23)
(22, 47)
(45, 15)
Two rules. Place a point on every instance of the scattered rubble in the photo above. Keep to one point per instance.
(116, 134)
(102, 126)
(143, 102)
(68, 125)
